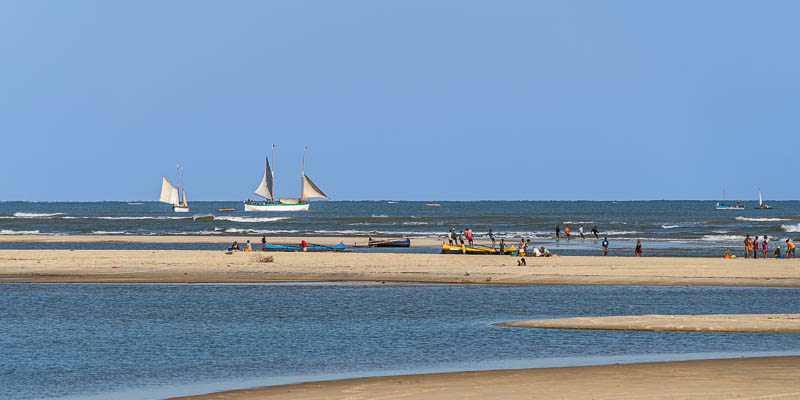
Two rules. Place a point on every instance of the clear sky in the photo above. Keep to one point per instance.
(419, 100)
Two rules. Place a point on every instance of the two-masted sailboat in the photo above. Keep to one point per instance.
(308, 190)
(172, 195)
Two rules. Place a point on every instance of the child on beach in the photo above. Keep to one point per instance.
(777, 253)
(545, 252)
(638, 250)
(789, 248)
(605, 246)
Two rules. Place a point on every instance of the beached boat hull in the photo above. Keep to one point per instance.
(447, 249)
(180, 209)
(390, 243)
(272, 247)
(275, 207)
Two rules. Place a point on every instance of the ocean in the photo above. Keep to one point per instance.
(150, 341)
(668, 228)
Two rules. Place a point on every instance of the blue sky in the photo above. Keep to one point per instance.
(419, 100)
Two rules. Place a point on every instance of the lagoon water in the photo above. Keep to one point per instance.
(158, 340)
(669, 228)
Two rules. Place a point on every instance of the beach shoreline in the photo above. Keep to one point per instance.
(201, 266)
(769, 377)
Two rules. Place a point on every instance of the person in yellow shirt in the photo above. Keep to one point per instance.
(789, 248)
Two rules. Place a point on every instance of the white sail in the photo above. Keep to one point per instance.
(265, 188)
(184, 198)
(169, 193)
(760, 203)
(310, 190)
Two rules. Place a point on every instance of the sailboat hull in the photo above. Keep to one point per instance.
(275, 207)
(180, 209)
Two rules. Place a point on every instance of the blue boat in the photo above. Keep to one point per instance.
(309, 247)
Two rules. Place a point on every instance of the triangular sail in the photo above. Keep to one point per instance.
(265, 188)
(169, 193)
(184, 198)
(760, 203)
(310, 190)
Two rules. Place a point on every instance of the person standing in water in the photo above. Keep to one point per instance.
(755, 247)
(747, 247)
(595, 231)
(558, 232)
(580, 230)
(638, 251)
(566, 231)
(605, 246)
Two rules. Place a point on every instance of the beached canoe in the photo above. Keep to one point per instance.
(390, 242)
(447, 249)
(309, 247)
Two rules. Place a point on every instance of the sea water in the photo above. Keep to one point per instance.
(158, 340)
(667, 228)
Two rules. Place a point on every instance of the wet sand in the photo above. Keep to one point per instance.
(217, 266)
(752, 323)
(762, 377)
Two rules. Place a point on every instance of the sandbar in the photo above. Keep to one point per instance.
(760, 377)
(217, 266)
(752, 323)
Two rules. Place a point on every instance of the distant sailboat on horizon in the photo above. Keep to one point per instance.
(308, 190)
(761, 205)
(172, 195)
(724, 205)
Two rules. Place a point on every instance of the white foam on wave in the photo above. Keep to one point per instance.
(13, 232)
(259, 231)
(722, 238)
(35, 215)
(670, 226)
(250, 219)
(109, 233)
(761, 219)
(415, 223)
(578, 222)
(791, 228)
(380, 216)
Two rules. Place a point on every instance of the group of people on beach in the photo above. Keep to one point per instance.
(751, 247)
(456, 238)
(594, 231)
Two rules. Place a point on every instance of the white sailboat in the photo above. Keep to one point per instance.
(308, 190)
(172, 195)
(761, 205)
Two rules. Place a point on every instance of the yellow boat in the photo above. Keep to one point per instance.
(447, 249)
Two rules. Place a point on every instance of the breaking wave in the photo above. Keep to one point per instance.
(35, 215)
(249, 219)
(670, 226)
(791, 228)
(13, 232)
(761, 219)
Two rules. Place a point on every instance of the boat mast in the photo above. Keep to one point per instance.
(178, 179)
(273, 172)
(303, 173)
(183, 189)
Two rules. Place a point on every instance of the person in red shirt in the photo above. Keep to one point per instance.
(755, 247)
(304, 245)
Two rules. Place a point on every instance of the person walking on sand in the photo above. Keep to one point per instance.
(453, 237)
(502, 246)
(263, 243)
(789, 248)
(558, 232)
(764, 244)
(755, 247)
(596, 232)
(566, 231)
(249, 246)
(580, 230)
(491, 236)
(468, 234)
(521, 249)
(605, 246)
(638, 250)
(747, 247)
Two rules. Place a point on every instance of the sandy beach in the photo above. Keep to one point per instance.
(763, 378)
(217, 266)
(751, 323)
